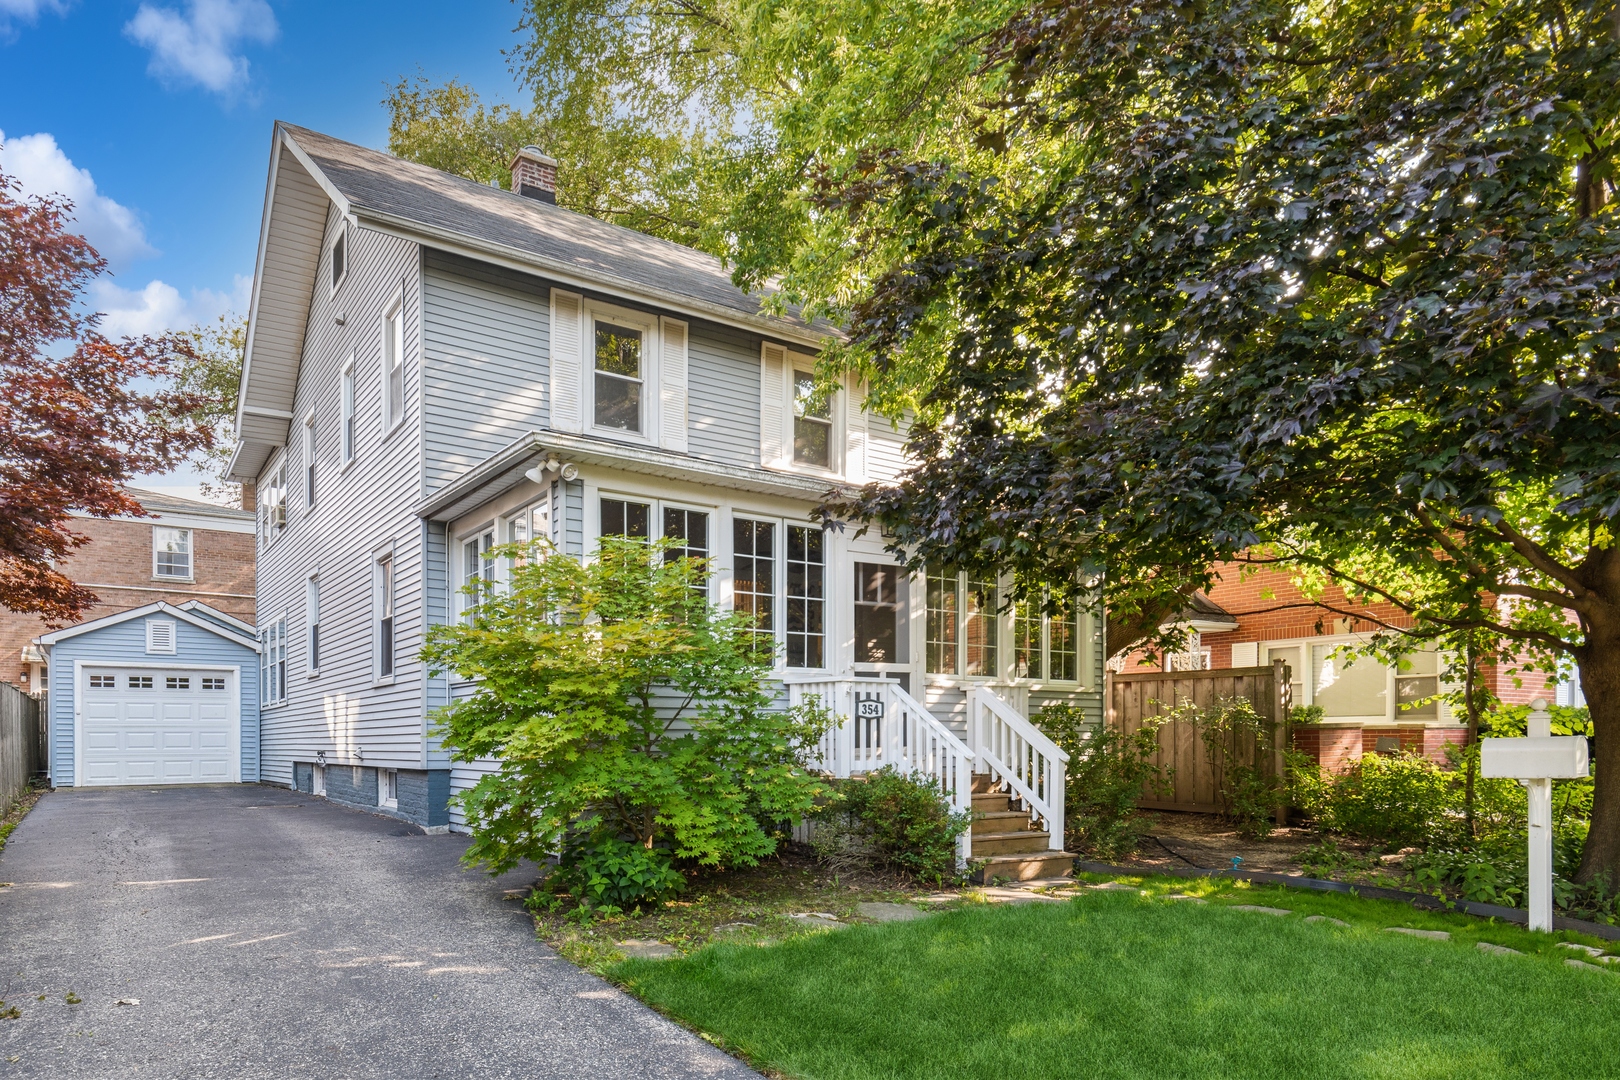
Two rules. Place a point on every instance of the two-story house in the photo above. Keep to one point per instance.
(435, 367)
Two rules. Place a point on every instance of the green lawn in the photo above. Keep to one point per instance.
(1130, 985)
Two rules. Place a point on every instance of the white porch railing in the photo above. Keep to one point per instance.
(1016, 753)
(878, 724)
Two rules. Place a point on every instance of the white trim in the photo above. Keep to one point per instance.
(234, 690)
(162, 637)
(190, 576)
(160, 607)
(197, 522)
(340, 236)
(380, 555)
(651, 371)
(311, 478)
(393, 311)
(168, 590)
(348, 429)
(246, 627)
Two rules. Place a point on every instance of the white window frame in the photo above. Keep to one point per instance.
(190, 553)
(273, 651)
(388, 788)
(655, 521)
(340, 238)
(837, 405)
(312, 624)
(393, 361)
(1393, 714)
(274, 501)
(1006, 639)
(157, 629)
(650, 371)
(309, 460)
(384, 616)
(480, 540)
(348, 435)
(317, 779)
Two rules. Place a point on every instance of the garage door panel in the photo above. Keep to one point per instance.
(146, 727)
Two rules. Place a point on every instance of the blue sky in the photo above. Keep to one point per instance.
(155, 118)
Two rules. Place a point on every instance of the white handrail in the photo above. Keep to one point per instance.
(1017, 753)
(896, 730)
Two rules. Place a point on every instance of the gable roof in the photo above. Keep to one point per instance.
(193, 616)
(311, 172)
(161, 502)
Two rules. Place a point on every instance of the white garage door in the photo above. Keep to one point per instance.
(156, 726)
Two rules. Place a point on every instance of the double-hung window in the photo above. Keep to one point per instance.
(171, 553)
(384, 576)
(812, 422)
(347, 416)
(340, 258)
(273, 662)
(618, 377)
(273, 497)
(394, 366)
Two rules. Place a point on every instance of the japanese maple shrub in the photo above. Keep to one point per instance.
(632, 721)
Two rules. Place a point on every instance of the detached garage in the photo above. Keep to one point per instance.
(155, 695)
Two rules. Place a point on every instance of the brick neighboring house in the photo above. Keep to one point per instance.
(188, 550)
(1368, 706)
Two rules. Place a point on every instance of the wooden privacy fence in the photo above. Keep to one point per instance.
(22, 742)
(1196, 781)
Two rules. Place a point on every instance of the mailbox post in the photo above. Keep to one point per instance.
(1536, 761)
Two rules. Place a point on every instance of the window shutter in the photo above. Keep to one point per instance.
(672, 387)
(855, 426)
(567, 361)
(774, 443)
(1245, 654)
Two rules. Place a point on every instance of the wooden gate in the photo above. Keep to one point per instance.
(1196, 783)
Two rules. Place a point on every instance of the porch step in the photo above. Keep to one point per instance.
(1025, 841)
(1025, 867)
(998, 821)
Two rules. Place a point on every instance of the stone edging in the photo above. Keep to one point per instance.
(1422, 900)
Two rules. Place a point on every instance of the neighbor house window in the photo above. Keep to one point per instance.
(312, 622)
(1417, 682)
(309, 461)
(877, 614)
(812, 422)
(394, 367)
(618, 378)
(385, 616)
(347, 421)
(340, 257)
(273, 662)
(806, 597)
(171, 552)
(754, 577)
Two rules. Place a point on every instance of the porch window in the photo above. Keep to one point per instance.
(1064, 652)
(690, 531)
(621, 517)
(754, 577)
(618, 377)
(981, 613)
(806, 597)
(1027, 625)
(877, 614)
(477, 571)
(531, 523)
(942, 620)
(812, 422)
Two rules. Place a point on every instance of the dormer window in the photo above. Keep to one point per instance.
(812, 423)
(618, 377)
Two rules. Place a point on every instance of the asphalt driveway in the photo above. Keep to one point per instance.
(268, 933)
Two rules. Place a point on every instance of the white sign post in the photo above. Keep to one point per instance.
(1536, 762)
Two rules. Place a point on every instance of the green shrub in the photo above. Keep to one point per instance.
(897, 820)
(1106, 776)
(1250, 791)
(1399, 801)
(612, 874)
(1306, 715)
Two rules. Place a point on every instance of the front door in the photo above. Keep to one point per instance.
(881, 645)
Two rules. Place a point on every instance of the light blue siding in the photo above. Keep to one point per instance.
(125, 643)
(723, 394)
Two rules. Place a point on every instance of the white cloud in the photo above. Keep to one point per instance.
(38, 164)
(201, 46)
(159, 306)
(24, 11)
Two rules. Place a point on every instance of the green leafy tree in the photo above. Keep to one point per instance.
(622, 706)
(1330, 287)
(212, 375)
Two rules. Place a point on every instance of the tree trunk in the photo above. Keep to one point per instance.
(1599, 664)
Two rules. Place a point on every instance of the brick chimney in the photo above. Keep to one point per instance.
(535, 175)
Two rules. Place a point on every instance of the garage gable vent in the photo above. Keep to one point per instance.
(160, 635)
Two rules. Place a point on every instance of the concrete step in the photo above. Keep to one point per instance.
(1025, 867)
(1021, 842)
(999, 821)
